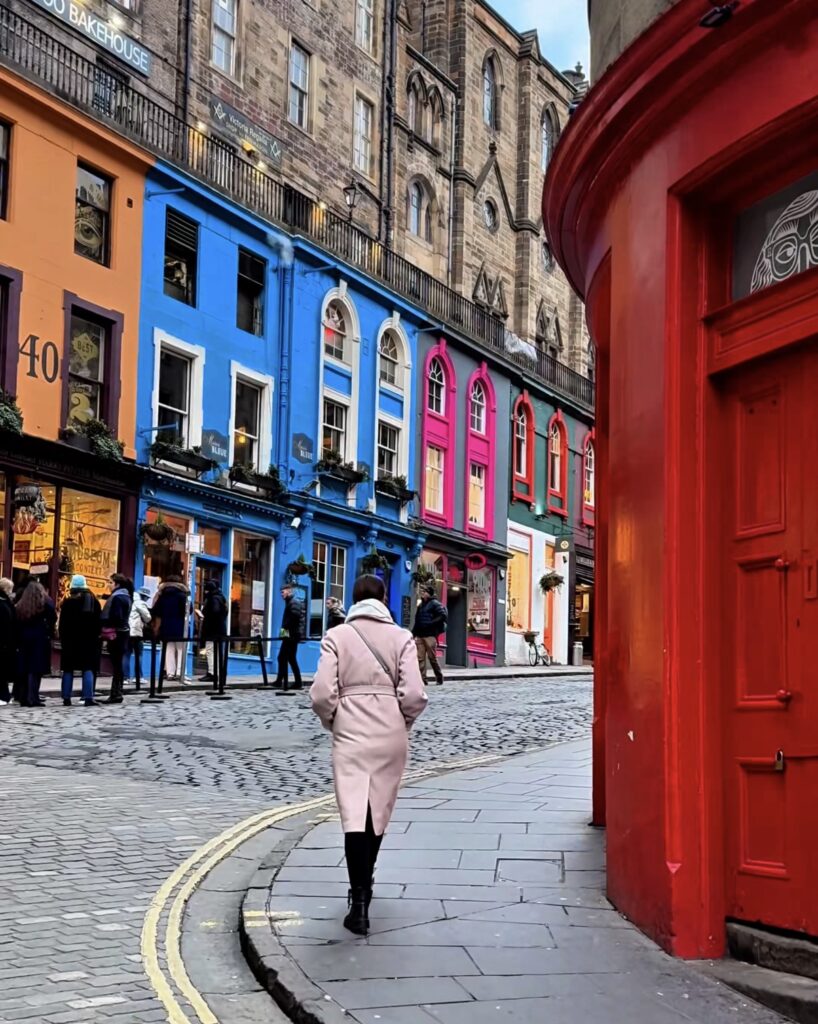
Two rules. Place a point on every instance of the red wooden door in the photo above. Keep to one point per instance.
(769, 644)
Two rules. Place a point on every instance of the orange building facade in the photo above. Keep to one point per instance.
(71, 197)
(682, 203)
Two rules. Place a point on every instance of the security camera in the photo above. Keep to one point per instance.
(296, 523)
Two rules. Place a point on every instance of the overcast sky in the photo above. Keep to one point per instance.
(562, 26)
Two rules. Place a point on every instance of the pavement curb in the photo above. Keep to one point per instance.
(275, 970)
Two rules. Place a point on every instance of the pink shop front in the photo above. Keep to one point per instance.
(471, 585)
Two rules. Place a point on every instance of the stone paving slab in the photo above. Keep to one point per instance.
(493, 914)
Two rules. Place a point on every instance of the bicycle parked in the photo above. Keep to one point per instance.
(538, 653)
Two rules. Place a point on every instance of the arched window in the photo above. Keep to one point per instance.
(335, 332)
(550, 134)
(388, 352)
(436, 391)
(520, 441)
(490, 93)
(412, 109)
(523, 458)
(415, 208)
(588, 474)
(477, 409)
(435, 118)
(557, 465)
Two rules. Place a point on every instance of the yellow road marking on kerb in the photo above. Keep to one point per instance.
(188, 877)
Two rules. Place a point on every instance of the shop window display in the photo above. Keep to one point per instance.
(480, 604)
(89, 540)
(518, 585)
(165, 558)
(249, 587)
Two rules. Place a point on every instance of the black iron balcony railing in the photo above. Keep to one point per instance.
(24, 46)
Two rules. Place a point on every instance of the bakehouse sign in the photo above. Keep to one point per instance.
(100, 31)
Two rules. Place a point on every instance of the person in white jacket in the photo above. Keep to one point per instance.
(139, 618)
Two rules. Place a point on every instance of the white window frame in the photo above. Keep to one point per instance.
(393, 362)
(353, 366)
(233, 37)
(266, 384)
(303, 90)
(196, 355)
(589, 475)
(362, 144)
(396, 425)
(345, 359)
(365, 25)
(478, 386)
(521, 442)
(441, 383)
(329, 395)
(481, 477)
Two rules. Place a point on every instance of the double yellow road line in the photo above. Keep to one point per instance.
(170, 981)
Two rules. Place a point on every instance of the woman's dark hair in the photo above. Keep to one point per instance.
(119, 580)
(31, 601)
(172, 578)
(368, 588)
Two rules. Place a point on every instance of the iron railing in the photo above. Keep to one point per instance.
(25, 47)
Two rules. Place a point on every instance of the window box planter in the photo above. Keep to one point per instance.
(394, 487)
(74, 440)
(269, 483)
(189, 458)
(340, 471)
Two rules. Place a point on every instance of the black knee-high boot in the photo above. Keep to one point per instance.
(357, 849)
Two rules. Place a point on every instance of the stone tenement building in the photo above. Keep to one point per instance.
(440, 114)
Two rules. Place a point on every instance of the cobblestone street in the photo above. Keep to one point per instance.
(101, 806)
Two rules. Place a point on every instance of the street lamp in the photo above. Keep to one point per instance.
(351, 197)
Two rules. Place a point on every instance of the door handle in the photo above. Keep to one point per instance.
(783, 696)
(781, 564)
(810, 577)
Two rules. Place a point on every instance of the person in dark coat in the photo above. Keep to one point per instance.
(116, 631)
(213, 619)
(36, 618)
(8, 650)
(170, 610)
(336, 613)
(79, 630)
(431, 619)
(292, 626)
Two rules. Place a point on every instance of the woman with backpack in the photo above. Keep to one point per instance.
(79, 630)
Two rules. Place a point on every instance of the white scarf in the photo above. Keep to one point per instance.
(370, 609)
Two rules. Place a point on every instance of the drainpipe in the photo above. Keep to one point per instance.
(188, 44)
(384, 121)
(453, 122)
(286, 288)
(390, 146)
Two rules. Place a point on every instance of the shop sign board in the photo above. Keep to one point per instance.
(238, 128)
(215, 445)
(100, 31)
(303, 448)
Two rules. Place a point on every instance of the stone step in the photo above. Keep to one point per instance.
(785, 953)
(792, 995)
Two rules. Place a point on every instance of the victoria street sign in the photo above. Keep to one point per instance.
(233, 123)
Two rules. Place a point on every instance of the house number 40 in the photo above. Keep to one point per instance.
(43, 361)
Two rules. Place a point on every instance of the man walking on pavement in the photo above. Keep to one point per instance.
(291, 628)
(431, 619)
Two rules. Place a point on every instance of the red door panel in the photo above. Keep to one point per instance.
(768, 447)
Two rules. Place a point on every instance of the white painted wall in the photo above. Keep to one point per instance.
(516, 647)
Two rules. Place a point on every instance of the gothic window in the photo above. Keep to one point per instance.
(490, 93)
(419, 212)
(490, 216)
(335, 332)
(549, 134)
(435, 395)
(477, 413)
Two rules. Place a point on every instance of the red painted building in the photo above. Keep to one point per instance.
(683, 203)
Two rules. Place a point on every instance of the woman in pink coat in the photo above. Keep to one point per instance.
(367, 691)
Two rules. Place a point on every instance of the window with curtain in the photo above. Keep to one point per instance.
(555, 457)
(477, 495)
(433, 479)
(335, 332)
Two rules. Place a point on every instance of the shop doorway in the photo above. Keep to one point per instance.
(456, 632)
(203, 573)
(765, 476)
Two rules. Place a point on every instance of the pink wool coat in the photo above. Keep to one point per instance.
(368, 715)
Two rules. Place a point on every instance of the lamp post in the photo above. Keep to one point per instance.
(351, 197)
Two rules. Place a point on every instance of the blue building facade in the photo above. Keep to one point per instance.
(275, 410)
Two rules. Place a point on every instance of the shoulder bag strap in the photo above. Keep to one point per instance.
(376, 655)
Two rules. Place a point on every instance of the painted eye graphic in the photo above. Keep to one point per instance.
(88, 230)
(783, 255)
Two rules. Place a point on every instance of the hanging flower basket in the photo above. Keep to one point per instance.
(11, 419)
(159, 531)
(374, 561)
(423, 576)
(551, 581)
(301, 567)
